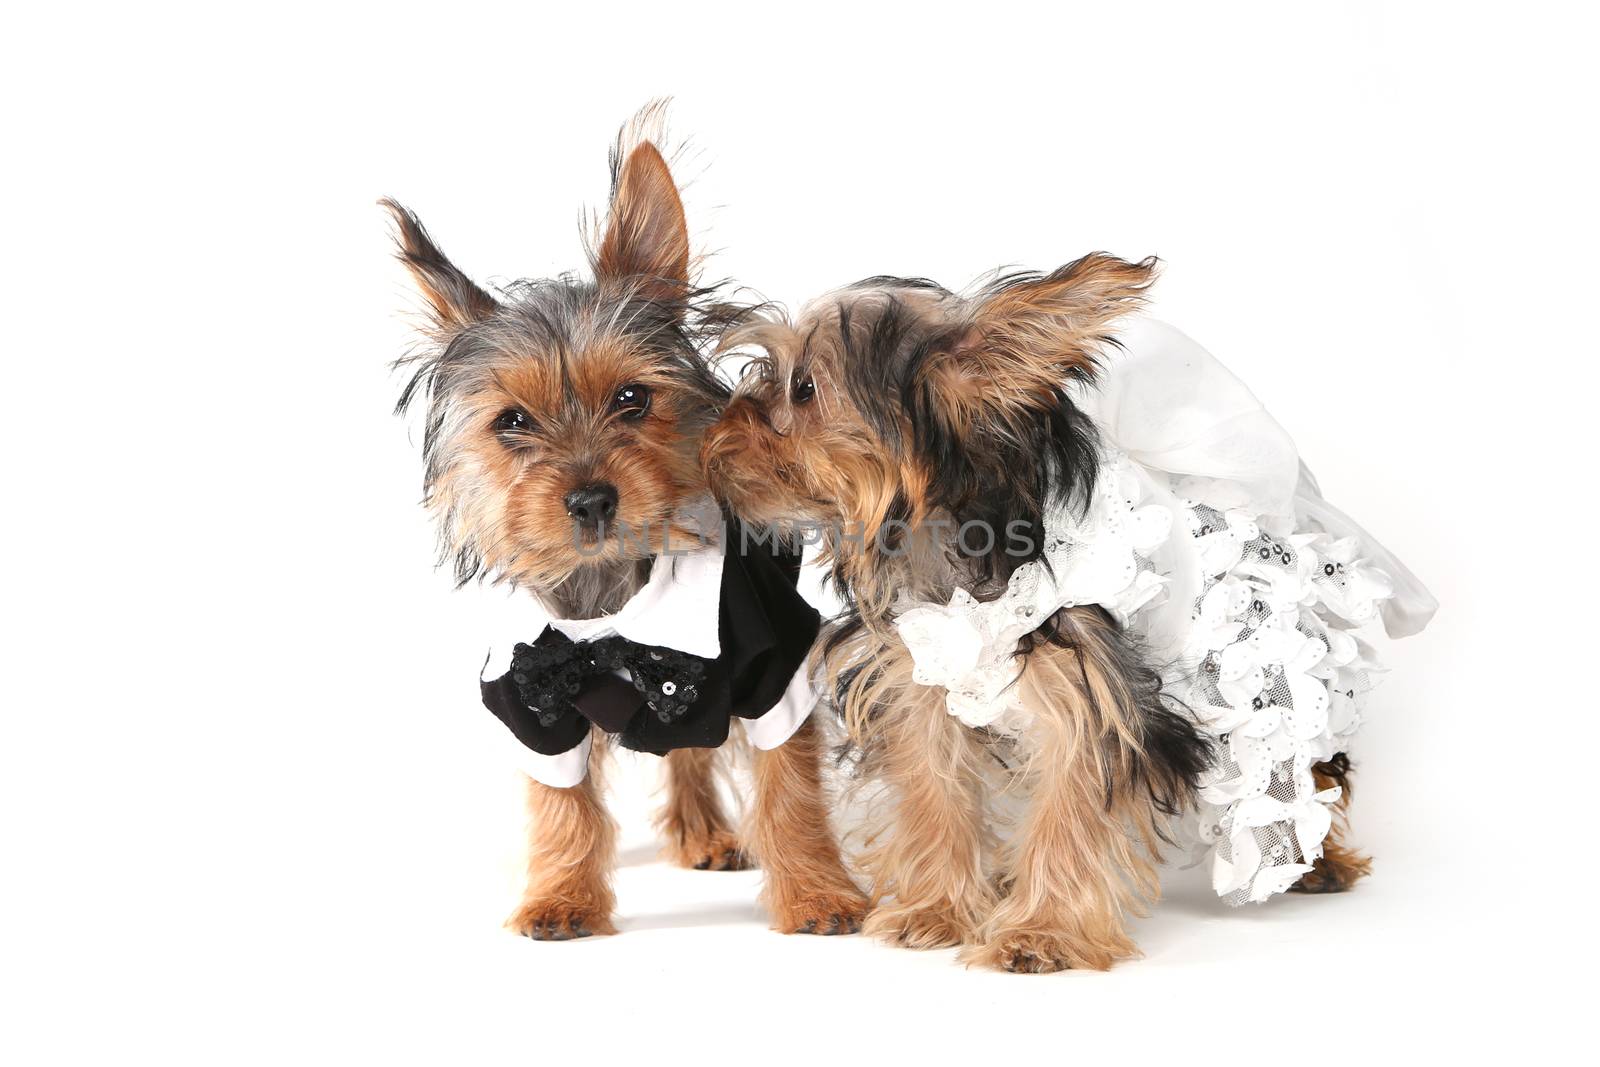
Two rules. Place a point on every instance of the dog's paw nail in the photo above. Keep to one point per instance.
(703, 865)
(808, 927)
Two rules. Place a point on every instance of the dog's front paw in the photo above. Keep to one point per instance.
(936, 926)
(1035, 952)
(833, 912)
(560, 919)
(716, 851)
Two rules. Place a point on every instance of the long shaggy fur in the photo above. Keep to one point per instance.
(807, 890)
(927, 841)
(902, 412)
(523, 395)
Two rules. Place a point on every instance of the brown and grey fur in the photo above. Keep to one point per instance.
(895, 401)
(522, 393)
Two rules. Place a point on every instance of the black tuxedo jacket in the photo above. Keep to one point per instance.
(765, 631)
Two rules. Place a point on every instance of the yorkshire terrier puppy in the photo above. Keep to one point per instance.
(563, 427)
(929, 437)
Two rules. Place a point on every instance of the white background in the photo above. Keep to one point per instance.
(246, 815)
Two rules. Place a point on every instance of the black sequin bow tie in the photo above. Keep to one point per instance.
(557, 676)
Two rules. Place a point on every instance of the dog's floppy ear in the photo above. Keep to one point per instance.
(1029, 333)
(453, 300)
(646, 237)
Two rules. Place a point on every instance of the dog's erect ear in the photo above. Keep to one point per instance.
(993, 426)
(1030, 333)
(646, 236)
(453, 300)
(1069, 308)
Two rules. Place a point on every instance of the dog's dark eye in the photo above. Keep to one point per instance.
(632, 400)
(512, 420)
(801, 390)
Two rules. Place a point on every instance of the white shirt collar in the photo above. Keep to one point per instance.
(679, 607)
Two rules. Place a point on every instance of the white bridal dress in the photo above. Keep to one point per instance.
(1209, 537)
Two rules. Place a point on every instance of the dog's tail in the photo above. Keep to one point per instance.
(1149, 745)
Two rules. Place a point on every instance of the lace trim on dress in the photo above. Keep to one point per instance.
(1102, 556)
(1279, 680)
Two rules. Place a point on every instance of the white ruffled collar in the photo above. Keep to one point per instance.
(968, 647)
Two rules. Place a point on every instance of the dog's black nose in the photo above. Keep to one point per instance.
(591, 505)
